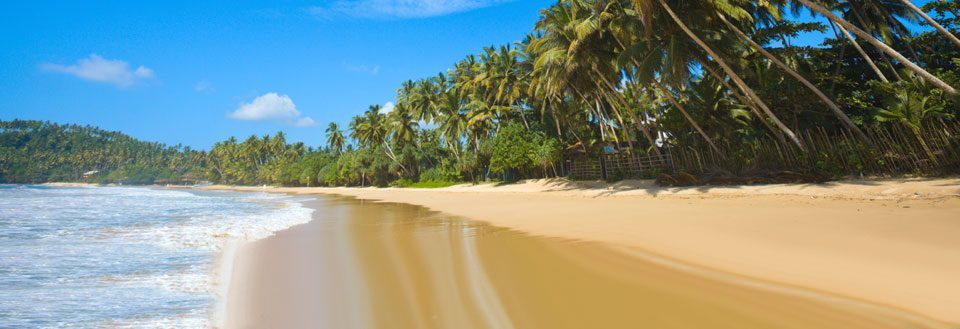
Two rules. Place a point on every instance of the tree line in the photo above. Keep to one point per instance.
(645, 77)
(39, 152)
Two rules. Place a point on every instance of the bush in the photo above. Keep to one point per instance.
(433, 184)
(511, 148)
(402, 182)
(442, 173)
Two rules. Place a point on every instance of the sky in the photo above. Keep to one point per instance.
(197, 72)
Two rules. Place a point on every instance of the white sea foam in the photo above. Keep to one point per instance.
(149, 251)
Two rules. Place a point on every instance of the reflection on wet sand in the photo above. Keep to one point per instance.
(372, 265)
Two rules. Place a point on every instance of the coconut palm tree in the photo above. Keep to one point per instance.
(728, 70)
(571, 59)
(335, 140)
(911, 106)
(866, 57)
(369, 129)
(786, 68)
(452, 121)
(935, 81)
(950, 36)
(402, 126)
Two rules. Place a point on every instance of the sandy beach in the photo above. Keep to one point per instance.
(886, 247)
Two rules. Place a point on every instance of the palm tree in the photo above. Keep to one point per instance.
(573, 59)
(402, 126)
(452, 122)
(727, 69)
(866, 57)
(783, 66)
(335, 138)
(879, 45)
(911, 107)
(368, 129)
(932, 22)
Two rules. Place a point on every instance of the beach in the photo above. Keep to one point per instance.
(887, 248)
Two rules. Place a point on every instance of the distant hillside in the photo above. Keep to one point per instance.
(38, 151)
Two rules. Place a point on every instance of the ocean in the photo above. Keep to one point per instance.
(124, 257)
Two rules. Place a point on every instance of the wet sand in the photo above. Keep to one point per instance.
(363, 264)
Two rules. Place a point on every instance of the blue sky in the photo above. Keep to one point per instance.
(196, 72)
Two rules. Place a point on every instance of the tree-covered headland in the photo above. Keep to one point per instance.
(719, 87)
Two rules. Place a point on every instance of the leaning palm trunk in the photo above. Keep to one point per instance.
(603, 134)
(796, 75)
(880, 45)
(923, 144)
(858, 14)
(870, 62)
(932, 22)
(733, 75)
(686, 115)
(743, 99)
(623, 125)
(642, 126)
(389, 152)
(603, 120)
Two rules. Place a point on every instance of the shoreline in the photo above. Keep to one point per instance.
(886, 243)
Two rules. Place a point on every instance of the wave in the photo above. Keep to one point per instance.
(154, 251)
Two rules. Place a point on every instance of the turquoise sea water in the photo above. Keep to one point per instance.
(118, 257)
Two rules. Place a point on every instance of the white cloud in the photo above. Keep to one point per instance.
(397, 8)
(272, 107)
(305, 122)
(387, 108)
(99, 69)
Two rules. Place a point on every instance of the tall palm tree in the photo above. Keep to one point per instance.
(879, 45)
(402, 126)
(573, 58)
(866, 57)
(932, 22)
(723, 65)
(816, 91)
(335, 140)
(368, 129)
(452, 121)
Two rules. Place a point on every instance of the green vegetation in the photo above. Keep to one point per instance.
(719, 86)
(36, 152)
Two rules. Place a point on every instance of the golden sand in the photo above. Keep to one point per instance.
(860, 251)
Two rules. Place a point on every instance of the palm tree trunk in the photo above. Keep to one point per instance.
(733, 75)
(932, 22)
(880, 45)
(613, 131)
(743, 99)
(523, 117)
(923, 144)
(592, 112)
(643, 128)
(623, 125)
(796, 75)
(863, 53)
(683, 110)
(840, 57)
(556, 120)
